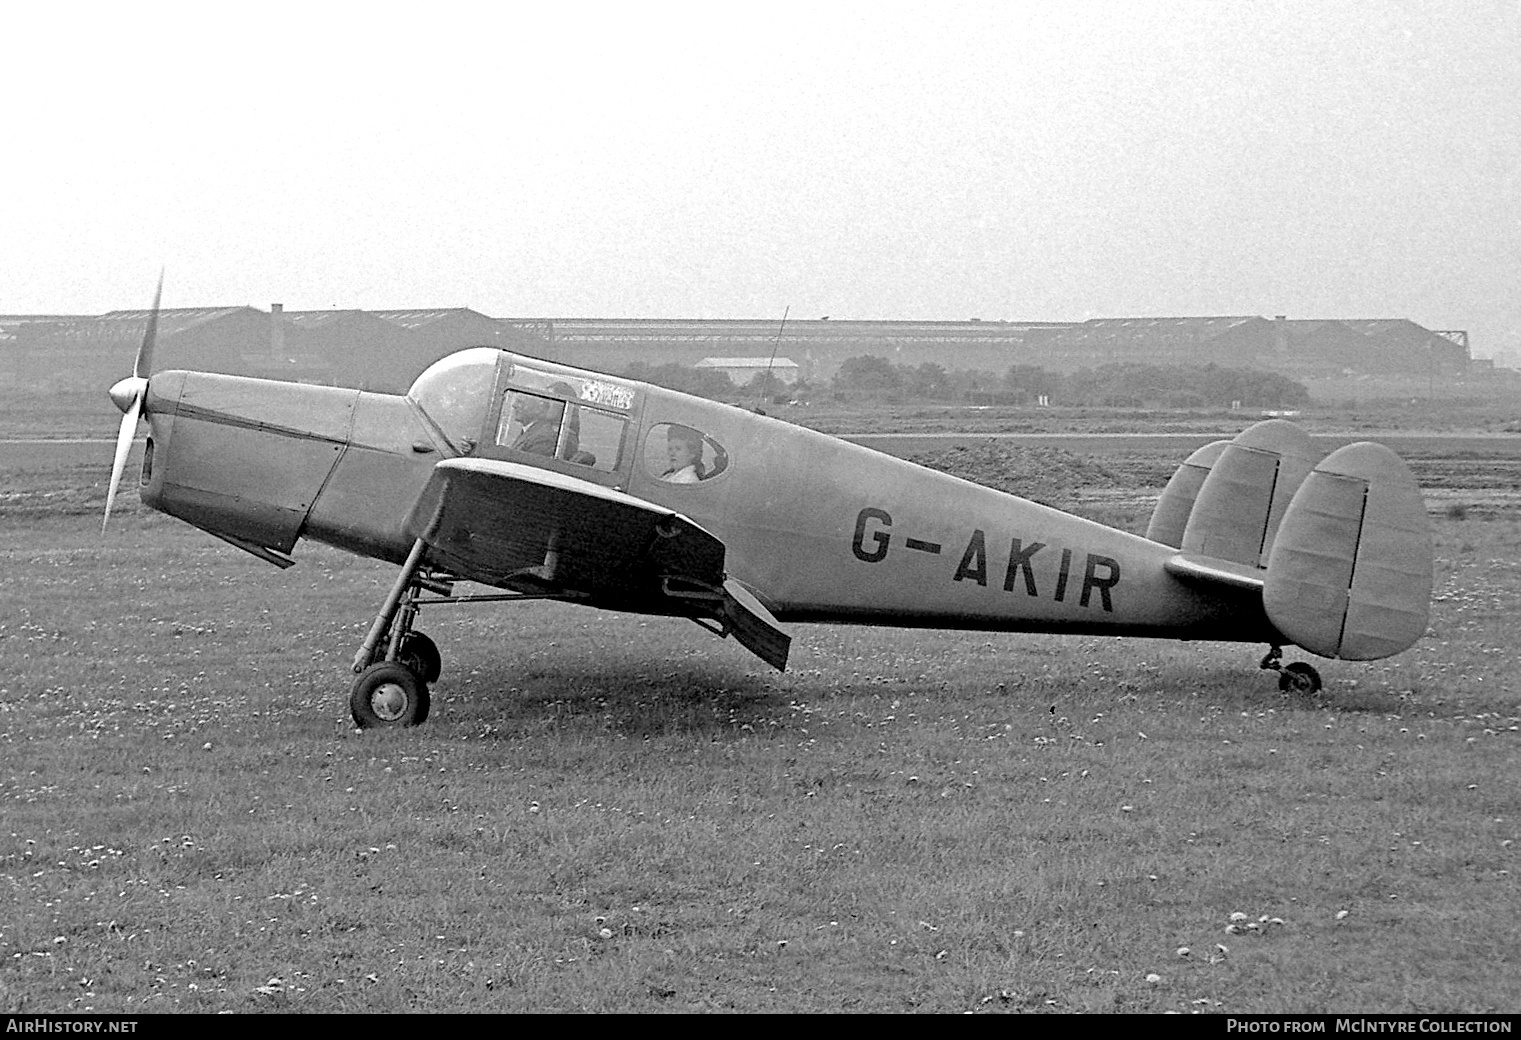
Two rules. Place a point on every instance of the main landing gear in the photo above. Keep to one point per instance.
(393, 691)
(396, 665)
(1298, 677)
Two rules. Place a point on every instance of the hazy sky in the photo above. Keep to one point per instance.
(1040, 161)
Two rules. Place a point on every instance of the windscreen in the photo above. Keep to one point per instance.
(455, 392)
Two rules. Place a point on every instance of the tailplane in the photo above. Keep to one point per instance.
(1340, 549)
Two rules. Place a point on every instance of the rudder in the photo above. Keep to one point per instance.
(1242, 501)
(1350, 572)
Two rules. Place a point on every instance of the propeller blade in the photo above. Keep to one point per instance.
(144, 361)
(123, 449)
(130, 395)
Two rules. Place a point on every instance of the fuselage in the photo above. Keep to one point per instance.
(819, 529)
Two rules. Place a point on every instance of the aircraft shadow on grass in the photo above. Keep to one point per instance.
(686, 697)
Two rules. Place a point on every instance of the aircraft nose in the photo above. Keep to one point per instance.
(128, 390)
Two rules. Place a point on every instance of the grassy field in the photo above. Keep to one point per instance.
(611, 813)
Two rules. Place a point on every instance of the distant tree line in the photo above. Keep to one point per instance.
(1124, 385)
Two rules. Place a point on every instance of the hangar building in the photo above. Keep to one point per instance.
(384, 350)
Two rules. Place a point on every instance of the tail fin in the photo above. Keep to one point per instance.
(1170, 517)
(1242, 500)
(1350, 572)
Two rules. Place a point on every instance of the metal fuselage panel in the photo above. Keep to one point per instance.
(364, 505)
(243, 458)
(268, 462)
(820, 529)
(825, 530)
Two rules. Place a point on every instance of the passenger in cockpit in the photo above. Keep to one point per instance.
(684, 452)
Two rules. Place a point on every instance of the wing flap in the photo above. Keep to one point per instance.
(752, 624)
(532, 530)
(511, 525)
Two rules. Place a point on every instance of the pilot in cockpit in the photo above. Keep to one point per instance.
(541, 425)
(541, 419)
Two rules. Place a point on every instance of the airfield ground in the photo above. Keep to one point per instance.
(618, 813)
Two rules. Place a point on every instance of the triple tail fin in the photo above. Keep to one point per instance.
(1242, 500)
(1341, 550)
(1170, 517)
(1350, 574)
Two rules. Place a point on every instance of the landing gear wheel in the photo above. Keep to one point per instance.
(420, 654)
(1299, 678)
(388, 694)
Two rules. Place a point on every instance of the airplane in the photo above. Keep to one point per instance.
(541, 481)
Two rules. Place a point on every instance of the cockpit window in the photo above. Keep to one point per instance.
(455, 392)
(558, 429)
(598, 392)
(679, 454)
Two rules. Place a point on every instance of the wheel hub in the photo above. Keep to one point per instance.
(389, 702)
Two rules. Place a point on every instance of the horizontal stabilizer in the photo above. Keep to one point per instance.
(1350, 573)
(1242, 500)
(1202, 570)
(1170, 517)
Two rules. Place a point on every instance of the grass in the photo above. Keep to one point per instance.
(611, 813)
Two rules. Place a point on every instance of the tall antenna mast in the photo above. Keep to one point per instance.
(776, 343)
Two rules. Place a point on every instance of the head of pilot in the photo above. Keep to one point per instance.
(532, 409)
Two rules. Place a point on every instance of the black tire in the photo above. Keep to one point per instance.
(1299, 678)
(420, 654)
(388, 694)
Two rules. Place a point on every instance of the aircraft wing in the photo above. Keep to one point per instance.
(519, 527)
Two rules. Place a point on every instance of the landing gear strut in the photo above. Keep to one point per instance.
(1298, 677)
(394, 691)
(395, 665)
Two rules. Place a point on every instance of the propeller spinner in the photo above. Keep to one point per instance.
(129, 395)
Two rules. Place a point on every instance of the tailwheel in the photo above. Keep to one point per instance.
(1299, 678)
(388, 694)
(420, 654)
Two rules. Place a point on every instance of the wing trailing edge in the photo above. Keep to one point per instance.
(532, 530)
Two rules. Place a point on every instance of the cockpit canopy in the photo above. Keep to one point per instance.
(562, 415)
(455, 392)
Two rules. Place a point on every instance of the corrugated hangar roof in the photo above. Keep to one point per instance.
(317, 319)
(173, 319)
(416, 319)
(1387, 327)
(1202, 327)
(1111, 331)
